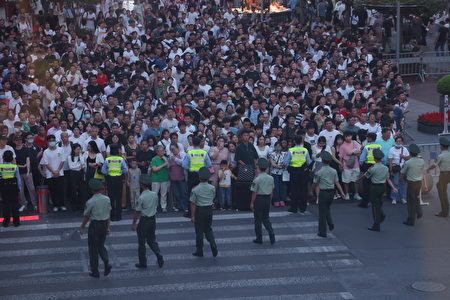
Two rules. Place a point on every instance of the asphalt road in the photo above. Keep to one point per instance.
(47, 259)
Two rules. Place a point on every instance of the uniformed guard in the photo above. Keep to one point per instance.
(195, 159)
(413, 171)
(98, 210)
(262, 189)
(9, 188)
(202, 198)
(367, 160)
(145, 211)
(326, 178)
(378, 174)
(443, 162)
(297, 160)
(114, 168)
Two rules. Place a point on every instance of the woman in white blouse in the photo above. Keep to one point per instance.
(76, 177)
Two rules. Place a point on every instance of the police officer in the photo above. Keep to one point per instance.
(413, 171)
(366, 160)
(262, 188)
(10, 185)
(378, 174)
(114, 168)
(297, 160)
(202, 197)
(145, 211)
(326, 179)
(98, 210)
(195, 159)
(443, 162)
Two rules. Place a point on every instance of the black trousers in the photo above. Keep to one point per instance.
(10, 204)
(67, 187)
(299, 188)
(325, 200)
(146, 234)
(203, 227)
(96, 241)
(365, 185)
(115, 185)
(376, 196)
(56, 187)
(76, 188)
(192, 181)
(261, 211)
(413, 201)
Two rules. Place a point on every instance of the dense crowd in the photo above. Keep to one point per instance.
(77, 82)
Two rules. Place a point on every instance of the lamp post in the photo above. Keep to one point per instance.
(445, 132)
(397, 51)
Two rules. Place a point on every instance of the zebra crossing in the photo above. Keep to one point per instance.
(49, 260)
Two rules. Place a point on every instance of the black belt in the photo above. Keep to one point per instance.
(328, 190)
(204, 206)
(146, 217)
(378, 183)
(99, 221)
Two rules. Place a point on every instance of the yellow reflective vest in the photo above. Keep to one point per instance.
(369, 157)
(197, 159)
(8, 171)
(114, 164)
(298, 156)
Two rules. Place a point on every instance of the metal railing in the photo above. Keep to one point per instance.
(430, 152)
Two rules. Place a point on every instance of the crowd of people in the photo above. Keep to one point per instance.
(157, 84)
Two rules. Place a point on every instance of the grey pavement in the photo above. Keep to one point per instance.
(418, 107)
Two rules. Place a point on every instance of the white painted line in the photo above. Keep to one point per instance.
(317, 296)
(130, 272)
(131, 246)
(176, 287)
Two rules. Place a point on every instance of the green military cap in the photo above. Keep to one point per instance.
(263, 163)
(325, 155)
(204, 173)
(95, 184)
(444, 142)
(378, 154)
(414, 149)
(145, 179)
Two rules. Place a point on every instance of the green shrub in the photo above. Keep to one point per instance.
(443, 85)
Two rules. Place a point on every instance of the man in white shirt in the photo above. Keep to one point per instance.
(15, 102)
(362, 124)
(329, 132)
(94, 137)
(4, 148)
(63, 129)
(111, 87)
(170, 123)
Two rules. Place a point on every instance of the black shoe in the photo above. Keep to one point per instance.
(363, 205)
(382, 218)
(214, 251)
(292, 210)
(374, 228)
(408, 223)
(16, 224)
(442, 215)
(258, 241)
(107, 270)
(5, 224)
(322, 235)
(140, 266)
(198, 254)
(331, 227)
(419, 216)
(187, 215)
(272, 239)
(160, 261)
(95, 275)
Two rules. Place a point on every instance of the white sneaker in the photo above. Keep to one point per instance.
(347, 197)
(63, 208)
(175, 209)
(164, 210)
(22, 208)
(36, 208)
(357, 197)
(403, 201)
(55, 209)
(394, 201)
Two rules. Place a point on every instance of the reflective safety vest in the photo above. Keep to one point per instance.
(298, 156)
(369, 157)
(8, 171)
(197, 159)
(114, 164)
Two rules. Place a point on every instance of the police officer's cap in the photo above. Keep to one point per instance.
(414, 149)
(444, 142)
(378, 154)
(325, 155)
(95, 184)
(263, 163)
(145, 179)
(204, 173)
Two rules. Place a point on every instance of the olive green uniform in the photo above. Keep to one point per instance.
(378, 175)
(203, 196)
(146, 205)
(98, 209)
(326, 177)
(443, 162)
(263, 186)
(413, 171)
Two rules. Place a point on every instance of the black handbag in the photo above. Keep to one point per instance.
(397, 168)
(246, 173)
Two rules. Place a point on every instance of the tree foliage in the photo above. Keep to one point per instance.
(443, 85)
(434, 6)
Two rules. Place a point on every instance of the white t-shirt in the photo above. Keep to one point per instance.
(2, 151)
(53, 158)
(171, 125)
(394, 154)
(329, 136)
(366, 126)
(312, 140)
(264, 153)
(226, 179)
(100, 144)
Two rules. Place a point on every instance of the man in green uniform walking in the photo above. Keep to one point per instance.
(98, 210)
(262, 188)
(145, 211)
(443, 162)
(378, 175)
(326, 179)
(202, 197)
(413, 171)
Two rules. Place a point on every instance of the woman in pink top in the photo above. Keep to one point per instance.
(217, 154)
(351, 172)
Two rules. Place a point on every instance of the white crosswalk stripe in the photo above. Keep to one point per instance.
(52, 262)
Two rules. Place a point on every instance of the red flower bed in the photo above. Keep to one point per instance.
(433, 118)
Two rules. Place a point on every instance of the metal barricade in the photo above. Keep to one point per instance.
(430, 152)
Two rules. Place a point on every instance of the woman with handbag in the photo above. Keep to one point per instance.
(348, 153)
(92, 161)
(397, 157)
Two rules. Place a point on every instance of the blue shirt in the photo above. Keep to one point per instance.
(385, 147)
(153, 132)
(363, 156)
(124, 167)
(186, 163)
(287, 158)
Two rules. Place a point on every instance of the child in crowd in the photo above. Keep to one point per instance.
(225, 176)
(133, 182)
